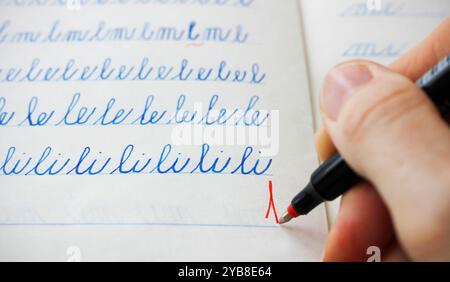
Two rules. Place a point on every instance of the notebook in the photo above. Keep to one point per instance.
(173, 130)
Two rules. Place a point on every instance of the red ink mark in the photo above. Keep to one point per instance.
(271, 204)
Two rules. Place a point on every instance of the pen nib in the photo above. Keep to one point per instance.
(286, 217)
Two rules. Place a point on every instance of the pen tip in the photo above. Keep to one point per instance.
(286, 217)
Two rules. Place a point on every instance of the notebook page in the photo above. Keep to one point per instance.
(377, 30)
(154, 130)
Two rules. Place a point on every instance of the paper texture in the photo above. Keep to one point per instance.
(113, 131)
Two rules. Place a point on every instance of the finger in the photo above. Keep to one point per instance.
(363, 221)
(391, 134)
(413, 64)
(394, 253)
(424, 56)
(324, 146)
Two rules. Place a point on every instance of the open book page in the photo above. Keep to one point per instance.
(378, 30)
(154, 130)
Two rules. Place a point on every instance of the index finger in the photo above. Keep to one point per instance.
(412, 64)
(424, 56)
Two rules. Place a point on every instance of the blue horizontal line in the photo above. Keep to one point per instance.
(113, 41)
(135, 124)
(140, 173)
(83, 4)
(161, 224)
(4, 81)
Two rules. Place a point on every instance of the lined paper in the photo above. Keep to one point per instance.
(154, 130)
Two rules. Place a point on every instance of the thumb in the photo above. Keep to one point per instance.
(391, 134)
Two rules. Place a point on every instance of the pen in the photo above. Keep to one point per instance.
(334, 177)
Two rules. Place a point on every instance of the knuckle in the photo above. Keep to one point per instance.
(380, 104)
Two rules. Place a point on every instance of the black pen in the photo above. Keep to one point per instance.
(334, 176)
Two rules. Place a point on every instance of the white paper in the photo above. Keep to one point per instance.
(52, 54)
(378, 30)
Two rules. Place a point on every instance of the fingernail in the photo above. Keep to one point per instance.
(339, 85)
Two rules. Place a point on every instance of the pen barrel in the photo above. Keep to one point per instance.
(333, 178)
(436, 84)
(330, 180)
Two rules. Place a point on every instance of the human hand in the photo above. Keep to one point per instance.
(392, 135)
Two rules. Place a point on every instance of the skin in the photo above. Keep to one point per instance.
(391, 134)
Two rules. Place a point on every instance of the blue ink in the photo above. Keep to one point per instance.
(84, 3)
(49, 170)
(50, 74)
(126, 161)
(88, 72)
(123, 74)
(109, 70)
(241, 168)
(103, 31)
(163, 72)
(255, 119)
(12, 74)
(66, 74)
(3, 28)
(125, 157)
(15, 169)
(42, 118)
(181, 116)
(29, 76)
(25, 36)
(104, 73)
(362, 9)
(5, 117)
(144, 113)
(372, 50)
(154, 117)
(90, 169)
(172, 167)
(119, 117)
(213, 167)
(144, 73)
(82, 117)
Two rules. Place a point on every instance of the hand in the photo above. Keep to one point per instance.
(392, 135)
